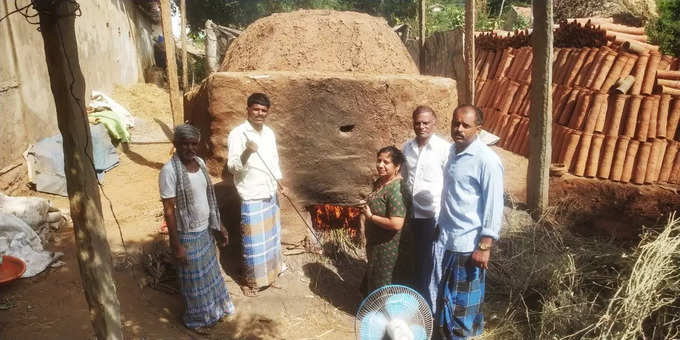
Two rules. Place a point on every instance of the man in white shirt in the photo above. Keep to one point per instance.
(426, 156)
(254, 162)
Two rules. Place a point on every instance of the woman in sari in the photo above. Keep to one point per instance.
(384, 214)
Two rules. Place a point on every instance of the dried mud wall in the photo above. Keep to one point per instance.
(114, 47)
(328, 126)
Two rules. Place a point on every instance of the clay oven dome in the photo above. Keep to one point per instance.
(319, 40)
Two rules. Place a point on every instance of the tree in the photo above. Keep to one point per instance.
(665, 30)
(540, 123)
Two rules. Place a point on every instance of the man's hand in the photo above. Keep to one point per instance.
(181, 255)
(251, 146)
(224, 237)
(480, 258)
(283, 190)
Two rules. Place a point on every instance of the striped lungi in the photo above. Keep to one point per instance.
(261, 237)
(206, 298)
(461, 294)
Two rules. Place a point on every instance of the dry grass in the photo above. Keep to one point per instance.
(549, 283)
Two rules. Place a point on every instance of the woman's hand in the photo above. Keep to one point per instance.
(366, 210)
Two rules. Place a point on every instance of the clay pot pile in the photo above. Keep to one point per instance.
(615, 108)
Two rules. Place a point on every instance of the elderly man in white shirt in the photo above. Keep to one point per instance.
(254, 162)
(426, 156)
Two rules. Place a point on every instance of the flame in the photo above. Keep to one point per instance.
(330, 216)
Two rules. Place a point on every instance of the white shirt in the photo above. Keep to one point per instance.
(199, 190)
(424, 173)
(253, 180)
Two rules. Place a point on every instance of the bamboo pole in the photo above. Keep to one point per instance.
(176, 102)
(469, 48)
(183, 34)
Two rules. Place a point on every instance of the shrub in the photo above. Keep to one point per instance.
(665, 30)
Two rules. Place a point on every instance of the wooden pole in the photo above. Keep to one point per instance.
(183, 28)
(57, 21)
(469, 95)
(541, 105)
(176, 102)
(421, 33)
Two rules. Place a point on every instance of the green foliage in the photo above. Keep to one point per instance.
(520, 23)
(665, 30)
(494, 6)
(240, 13)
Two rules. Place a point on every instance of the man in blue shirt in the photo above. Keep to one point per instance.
(469, 222)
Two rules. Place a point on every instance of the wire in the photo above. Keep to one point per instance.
(271, 173)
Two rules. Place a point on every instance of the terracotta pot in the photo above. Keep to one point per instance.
(639, 73)
(667, 90)
(593, 115)
(582, 154)
(581, 109)
(508, 96)
(655, 158)
(662, 119)
(624, 84)
(615, 113)
(668, 158)
(646, 108)
(504, 66)
(619, 158)
(594, 155)
(607, 156)
(615, 71)
(500, 124)
(638, 47)
(499, 93)
(570, 145)
(629, 162)
(572, 73)
(568, 107)
(673, 118)
(675, 172)
(560, 64)
(508, 130)
(669, 83)
(641, 163)
(519, 98)
(479, 62)
(558, 138)
(484, 72)
(671, 75)
(653, 117)
(631, 115)
(595, 66)
(587, 67)
(630, 64)
(650, 73)
(603, 70)
(602, 114)
(496, 63)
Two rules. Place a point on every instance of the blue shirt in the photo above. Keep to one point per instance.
(472, 198)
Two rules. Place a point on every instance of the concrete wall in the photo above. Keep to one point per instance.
(115, 47)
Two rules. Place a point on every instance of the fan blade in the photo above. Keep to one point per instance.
(373, 326)
(402, 306)
(418, 332)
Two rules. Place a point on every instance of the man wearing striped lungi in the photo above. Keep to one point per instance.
(191, 213)
(254, 161)
(469, 222)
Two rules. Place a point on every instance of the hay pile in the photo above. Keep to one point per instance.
(146, 101)
(548, 283)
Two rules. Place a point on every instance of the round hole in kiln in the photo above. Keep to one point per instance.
(347, 128)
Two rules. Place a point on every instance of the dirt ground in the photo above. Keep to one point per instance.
(315, 299)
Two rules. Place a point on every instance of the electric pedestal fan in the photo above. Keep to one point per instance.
(393, 312)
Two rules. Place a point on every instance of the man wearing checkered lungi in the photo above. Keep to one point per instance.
(192, 216)
(254, 161)
(469, 222)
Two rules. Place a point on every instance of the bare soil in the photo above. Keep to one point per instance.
(315, 299)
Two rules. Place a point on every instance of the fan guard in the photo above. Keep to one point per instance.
(396, 311)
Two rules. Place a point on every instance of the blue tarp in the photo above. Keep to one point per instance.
(47, 160)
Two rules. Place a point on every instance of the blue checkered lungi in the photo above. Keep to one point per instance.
(206, 299)
(261, 237)
(461, 294)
